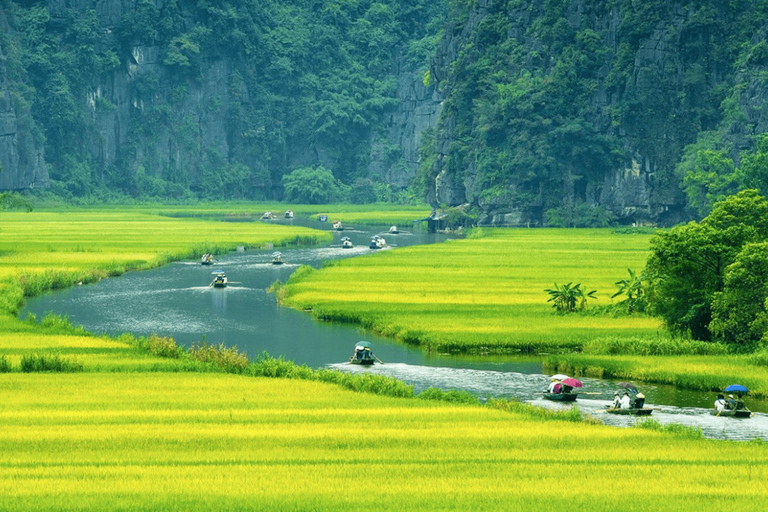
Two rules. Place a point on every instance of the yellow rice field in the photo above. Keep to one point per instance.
(481, 293)
(136, 432)
(181, 442)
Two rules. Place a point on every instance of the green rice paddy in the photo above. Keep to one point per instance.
(481, 294)
(136, 432)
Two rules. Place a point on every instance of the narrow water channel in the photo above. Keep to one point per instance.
(176, 300)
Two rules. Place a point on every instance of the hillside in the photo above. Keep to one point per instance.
(530, 112)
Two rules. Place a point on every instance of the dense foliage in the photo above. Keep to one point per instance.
(707, 279)
(293, 83)
(547, 101)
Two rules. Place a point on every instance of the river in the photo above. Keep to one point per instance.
(176, 300)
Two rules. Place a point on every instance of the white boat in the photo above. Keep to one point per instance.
(377, 242)
(277, 259)
(346, 243)
(267, 216)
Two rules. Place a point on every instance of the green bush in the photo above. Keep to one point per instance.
(228, 359)
(49, 363)
(5, 365)
(163, 346)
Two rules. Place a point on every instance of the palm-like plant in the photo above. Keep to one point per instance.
(567, 297)
(633, 288)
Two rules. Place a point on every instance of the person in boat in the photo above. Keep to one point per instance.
(730, 404)
(739, 402)
(625, 402)
(720, 403)
(555, 387)
(639, 401)
(616, 401)
(567, 389)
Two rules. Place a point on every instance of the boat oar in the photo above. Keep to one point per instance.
(379, 360)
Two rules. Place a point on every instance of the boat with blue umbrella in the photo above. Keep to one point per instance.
(732, 407)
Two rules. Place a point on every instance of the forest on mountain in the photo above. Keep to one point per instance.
(523, 112)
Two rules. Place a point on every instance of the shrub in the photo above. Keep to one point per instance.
(228, 359)
(49, 363)
(163, 346)
(453, 396)
(5, 365)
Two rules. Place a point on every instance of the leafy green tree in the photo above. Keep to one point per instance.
(738, 312)
(753, 169)
(313, 185)
(688, 263)
(711, 179)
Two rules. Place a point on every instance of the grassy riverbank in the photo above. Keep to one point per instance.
(483, 294)
(126, 430)
(486, 295)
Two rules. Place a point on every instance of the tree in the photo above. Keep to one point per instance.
(313, 185)
(687, 265)
(738, 312)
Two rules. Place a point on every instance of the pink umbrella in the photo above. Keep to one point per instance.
(572, 382)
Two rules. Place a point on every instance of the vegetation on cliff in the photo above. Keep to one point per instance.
(555, 107)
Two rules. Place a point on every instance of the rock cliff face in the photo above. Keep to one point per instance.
(646, 78)
(190, 125)
(22, 157)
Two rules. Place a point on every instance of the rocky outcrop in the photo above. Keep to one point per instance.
(22, 158)
(641, 102)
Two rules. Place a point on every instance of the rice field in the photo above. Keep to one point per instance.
(136, 432)
(163, 441)
(481, 294)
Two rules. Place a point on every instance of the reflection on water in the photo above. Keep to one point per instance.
(176, 300)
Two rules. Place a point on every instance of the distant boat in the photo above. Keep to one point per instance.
(288, 214)
(363, 354)
(207, 259)
(393, 230)
(267, 216)
(337, 225)
(346, 243)
(277, 259)
(219, 279)
(377, 242)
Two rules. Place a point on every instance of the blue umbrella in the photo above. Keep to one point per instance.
(736, 388)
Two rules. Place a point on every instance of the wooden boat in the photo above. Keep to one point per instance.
(277, 259)
(393, 230)
(267, 216)
(207, 259)
(288, 214)
(560, 397)
(633, 411)
(337, 225)
(346, 243)
(363, 354)
(377, 242)
(730, 413)
(219, 279)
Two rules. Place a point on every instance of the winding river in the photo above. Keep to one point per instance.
(176, 300)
